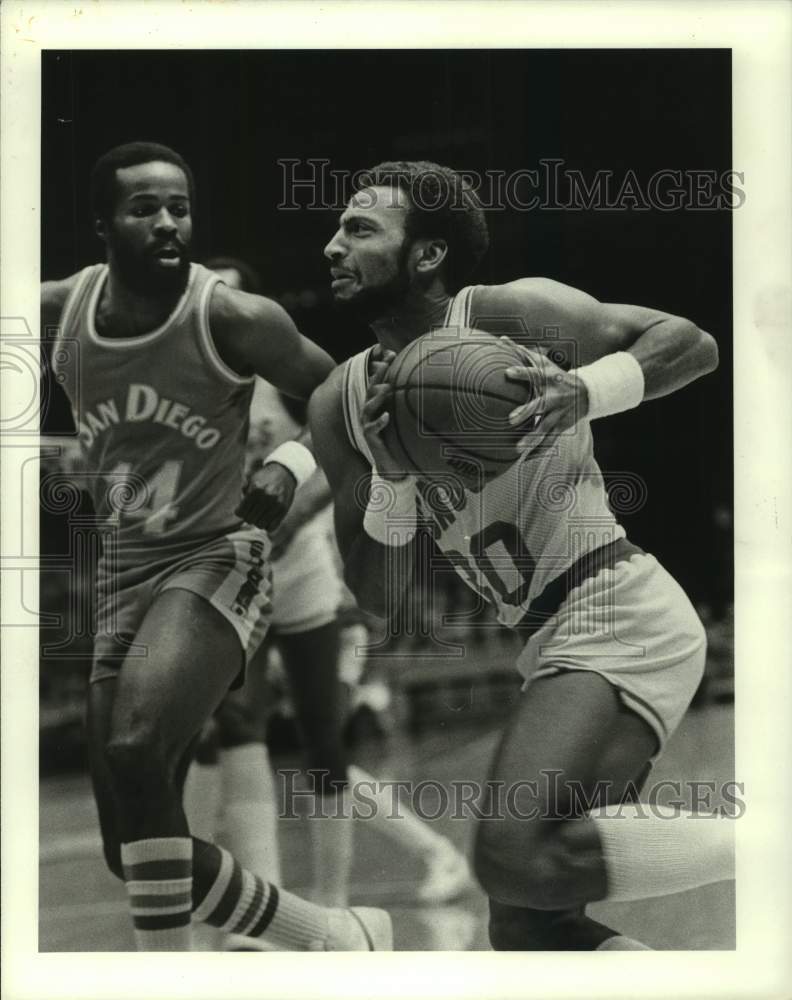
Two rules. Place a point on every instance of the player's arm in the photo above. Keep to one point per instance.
(256, 336)
(672, 351)
(623, 354)
(368, 564)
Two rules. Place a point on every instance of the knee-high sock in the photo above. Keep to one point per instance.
(398, 824)
(332, 836)
(250, 810)
(652, 853)
(158, 877)
(235, 900)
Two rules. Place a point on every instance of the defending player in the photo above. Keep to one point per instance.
(600, 701)
(160, 387)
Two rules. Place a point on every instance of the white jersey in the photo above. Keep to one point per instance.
(527, 525)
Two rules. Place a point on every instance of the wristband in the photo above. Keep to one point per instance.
(296, 458)
(391, 516)
(613, 383)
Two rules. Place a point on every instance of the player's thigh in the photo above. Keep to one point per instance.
(193, 655)
(571, 741)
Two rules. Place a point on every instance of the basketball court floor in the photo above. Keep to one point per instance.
(82, 907)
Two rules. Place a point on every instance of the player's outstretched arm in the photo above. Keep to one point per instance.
(368, 564)
(621, 354)
(256, 336)
(670, 350)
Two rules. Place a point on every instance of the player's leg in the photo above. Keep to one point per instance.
(310, 659)
(161, 702)
(250, 810)
(202, 791)
(202, 802)
(516, 928)
(570, 741)
(548, 756)
(446, 870)
(194, 654)
(101, 699)
(248, 825)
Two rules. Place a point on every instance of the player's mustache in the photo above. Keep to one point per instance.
(170, 244)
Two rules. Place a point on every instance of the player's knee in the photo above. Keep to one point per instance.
(520, 871)
(137, 762)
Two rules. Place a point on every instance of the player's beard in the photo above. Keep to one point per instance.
(374, 302)
(140, 273)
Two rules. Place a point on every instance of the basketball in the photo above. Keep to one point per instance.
(451, 404)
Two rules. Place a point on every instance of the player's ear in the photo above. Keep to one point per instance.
(100, 228)
(433, 253)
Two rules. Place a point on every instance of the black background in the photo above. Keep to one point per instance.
(232, 115)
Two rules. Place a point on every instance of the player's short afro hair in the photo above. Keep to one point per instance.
(443, 205)
(104, 185)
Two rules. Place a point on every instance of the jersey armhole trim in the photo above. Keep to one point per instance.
(206, 336)
(68, 310)
(346, 388)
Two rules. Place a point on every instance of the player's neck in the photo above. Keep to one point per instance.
(416, 314)
(123, 312)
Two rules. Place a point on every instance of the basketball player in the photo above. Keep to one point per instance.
(160, 388)
(307, 595)
(596, 708)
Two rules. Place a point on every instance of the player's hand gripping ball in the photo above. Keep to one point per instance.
(450, 402)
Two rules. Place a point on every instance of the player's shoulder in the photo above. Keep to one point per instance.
(230, 308)
(521, 293)
(54, 295)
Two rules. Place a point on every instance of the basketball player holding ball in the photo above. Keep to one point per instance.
(599, 702)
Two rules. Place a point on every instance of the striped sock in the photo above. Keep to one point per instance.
(158, 877)
(239, 902)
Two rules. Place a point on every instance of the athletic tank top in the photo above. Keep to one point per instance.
(527, 525)
(161, 419)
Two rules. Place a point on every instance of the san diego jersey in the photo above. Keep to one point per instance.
(161, 418)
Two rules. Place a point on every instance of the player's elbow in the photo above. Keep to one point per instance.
(706, 351)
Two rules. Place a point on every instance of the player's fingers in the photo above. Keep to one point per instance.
(382, 353)
(527, 411)
(380, 370)
(375, 401)
(376, 425)
(521, 348)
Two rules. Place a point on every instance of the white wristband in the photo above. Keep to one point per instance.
(390, 517)
(613, 383)
(296, 458)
